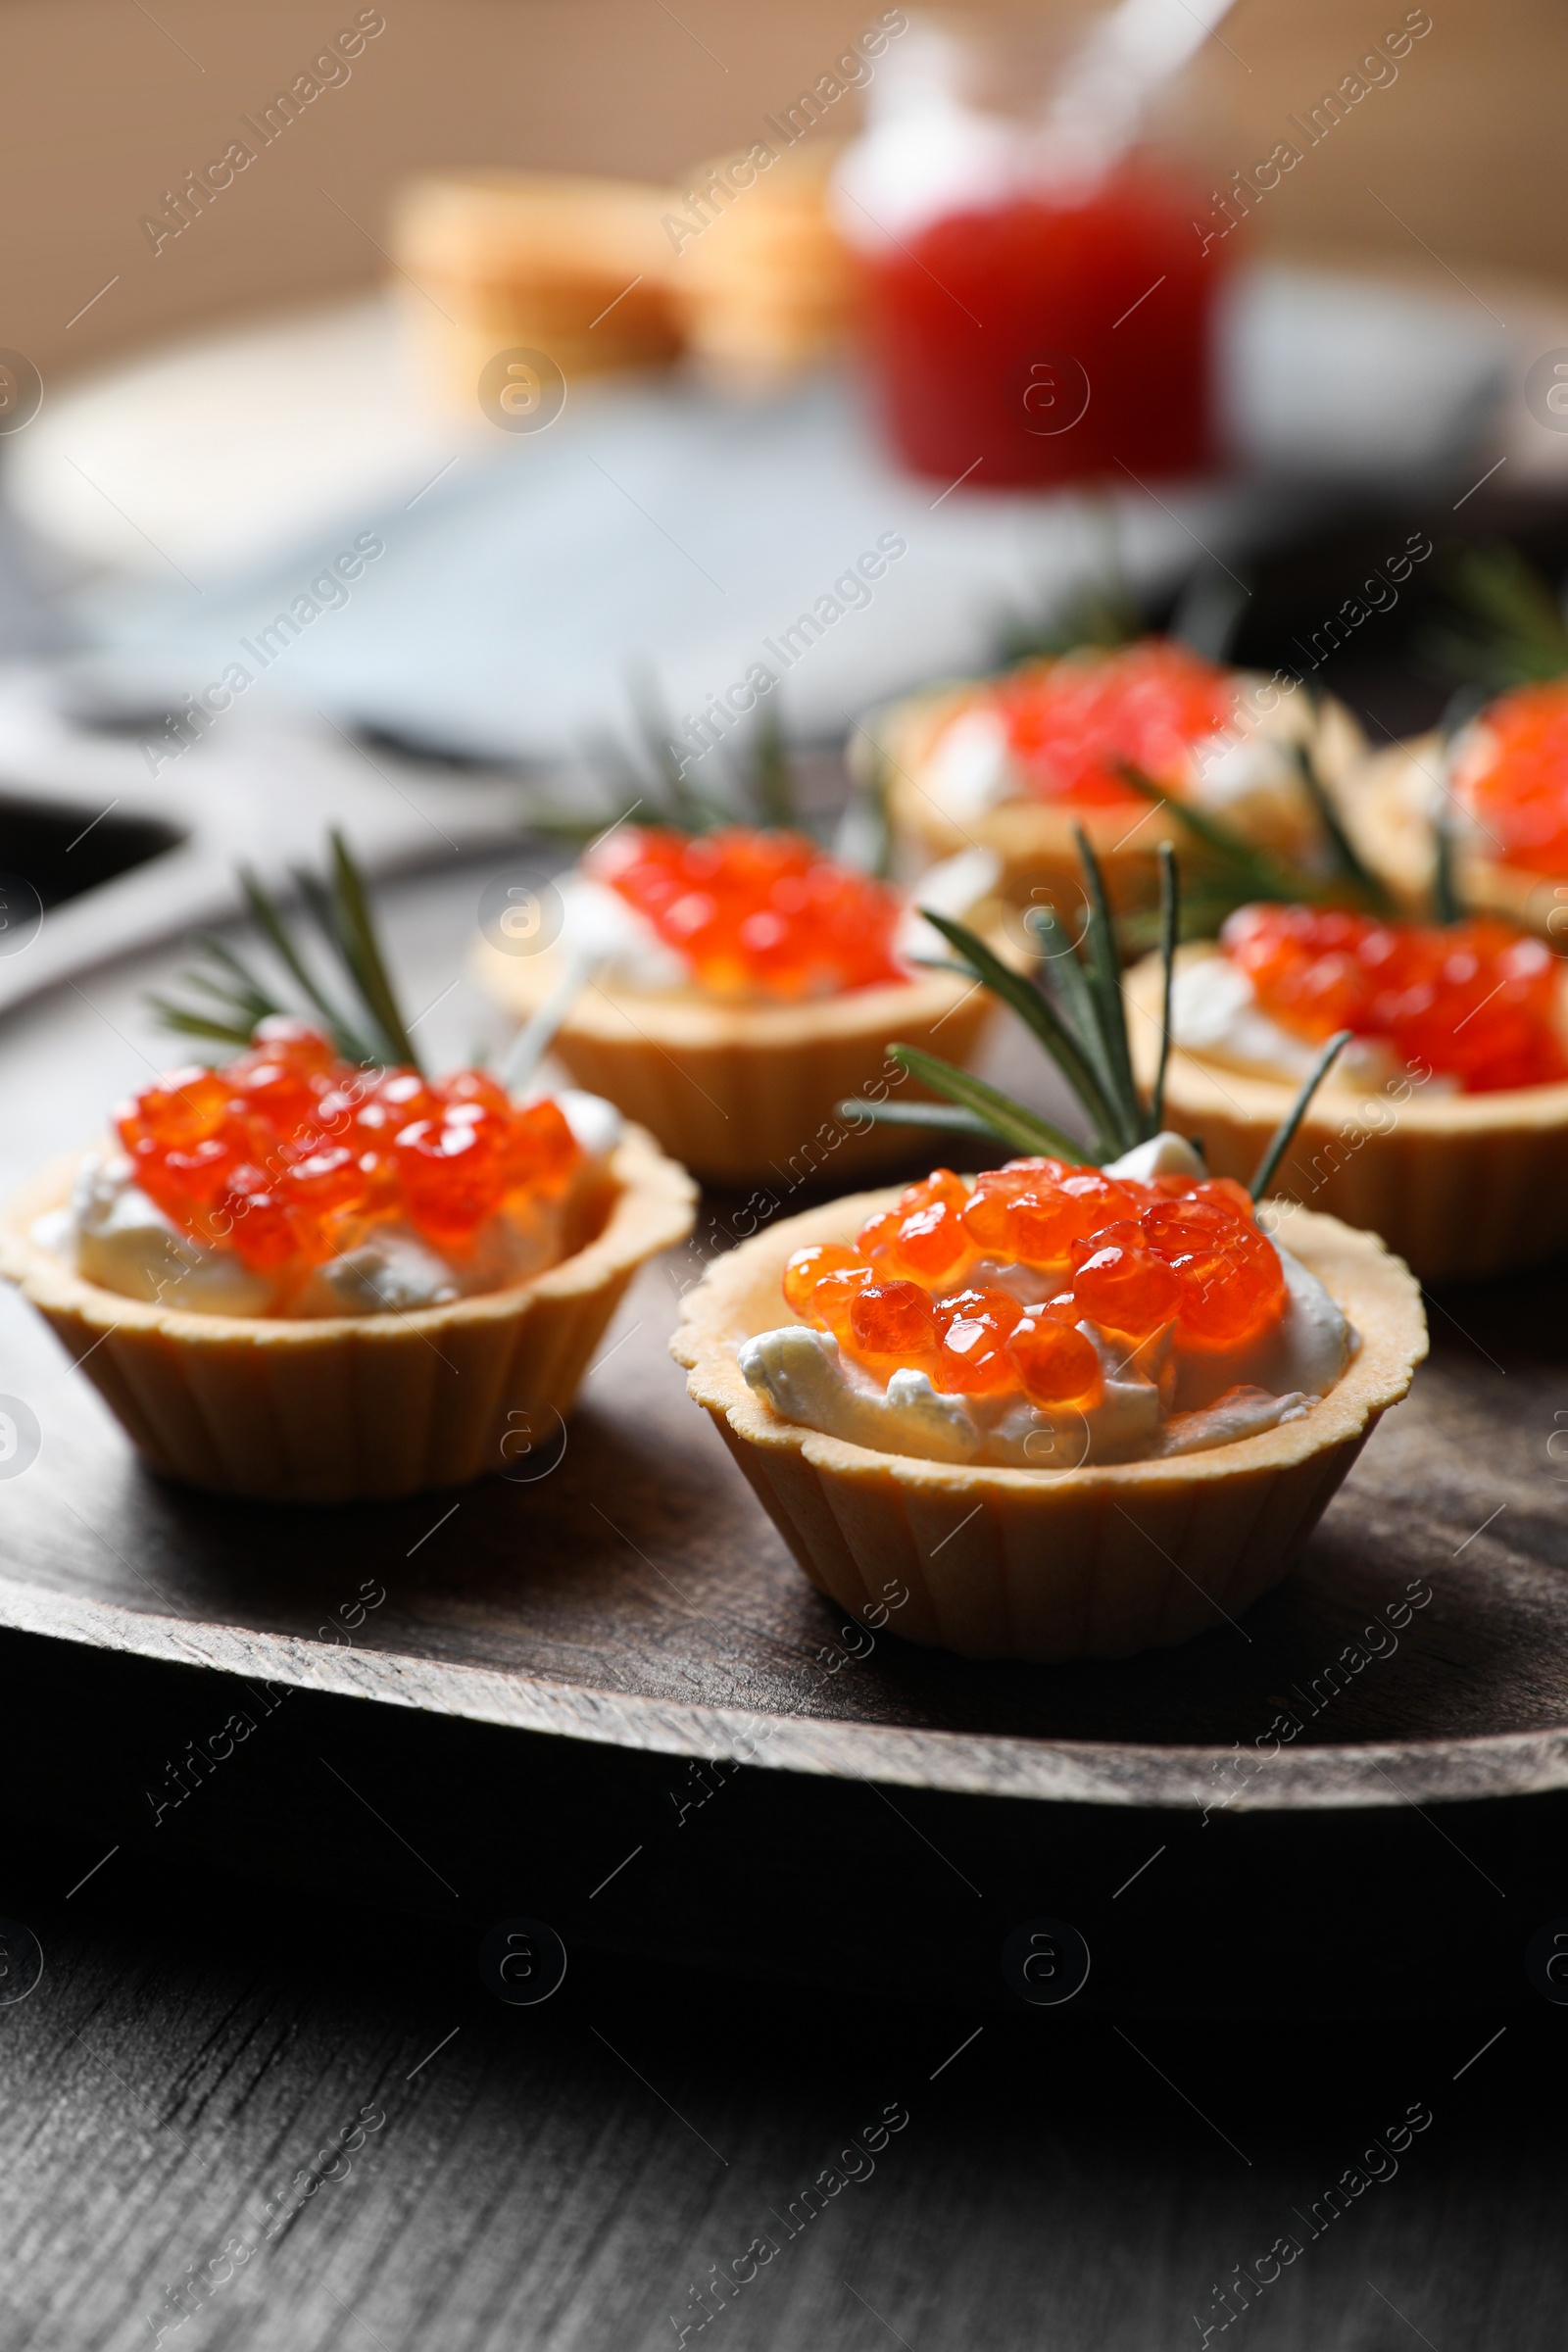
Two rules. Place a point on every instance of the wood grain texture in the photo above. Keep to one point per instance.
(560, 2178)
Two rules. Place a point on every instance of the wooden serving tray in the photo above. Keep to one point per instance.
(624, 1586)
(607, 1697)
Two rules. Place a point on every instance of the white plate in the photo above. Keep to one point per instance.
(656, 527)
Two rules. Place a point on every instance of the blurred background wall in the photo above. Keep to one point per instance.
(107, 103)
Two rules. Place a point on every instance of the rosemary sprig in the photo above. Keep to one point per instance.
(1034, 1008)
(347, 924)
(1081, 1024)
(1351, 867)
(772, 778)
(1082, 1027)
(1247, 873)
(1506, 627)
(365, 1022)
(1098, 611)
(1104, 974)
(1285, 1133)
(992, 1112)
(1257, 874)
(1169, 926)
(1447, 904)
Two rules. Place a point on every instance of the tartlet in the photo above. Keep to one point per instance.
(954, 774)
(741, 1085)
(1460, 1184)
(315, 1273)
(1021, 1563)
(571, 268)
(763, 284)
(1408, 794)
(354, 1407)
(953, 1345)
(1479, 807)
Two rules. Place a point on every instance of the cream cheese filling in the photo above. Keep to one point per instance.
(1215, 1015)
(116, 1236)
(1247, 773)
(1158, 1399)
(604, 930)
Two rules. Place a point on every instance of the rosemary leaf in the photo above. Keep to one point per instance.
(1104, 980)
(361, 952)
(773, 784)
(234, 1000)
(1063, 975)
(269, 919)
(187, 1023)
(1262, 876)
(1447, 904)
(1170, 923)
(948, 1117)
(1347, 857)
(1046, 1024)
(1006, 1119)
(1285, 1133)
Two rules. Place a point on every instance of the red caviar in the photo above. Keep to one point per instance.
(1054, 1364)
(1121, 1283)
(1516, 778)
(976, 1325)
(892, 1323)
(1072, 722)
(751, 910)
(287, 1154)
(1136, 1257)
(1478, 1000)
(923, 1238)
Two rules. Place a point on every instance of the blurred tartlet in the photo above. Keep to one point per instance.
(1444, 1126)
(1500, 790)
(763, 285)
(738, 984)
(1017, 763)
(1478, 809)
(572, 267)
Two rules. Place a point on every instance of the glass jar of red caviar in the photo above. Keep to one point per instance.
(1038, 311)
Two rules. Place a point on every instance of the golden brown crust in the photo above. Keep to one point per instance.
(530, 261)
(1034, 839)
(1016, 1563)
(349, 1408)
(1391, 800)
(769, 287)
(740, 1092)
(1455, 1184)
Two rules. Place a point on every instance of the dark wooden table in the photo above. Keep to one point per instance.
(240, 1984)
(262, 2096)
(195, 2070)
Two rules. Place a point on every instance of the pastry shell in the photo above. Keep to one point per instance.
(1088, 1563)
(769, 288)
(1034, 839)
(742, 1092)
(1390, 807)
(354, 1409)
(576, 268)
(1458, 1185)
